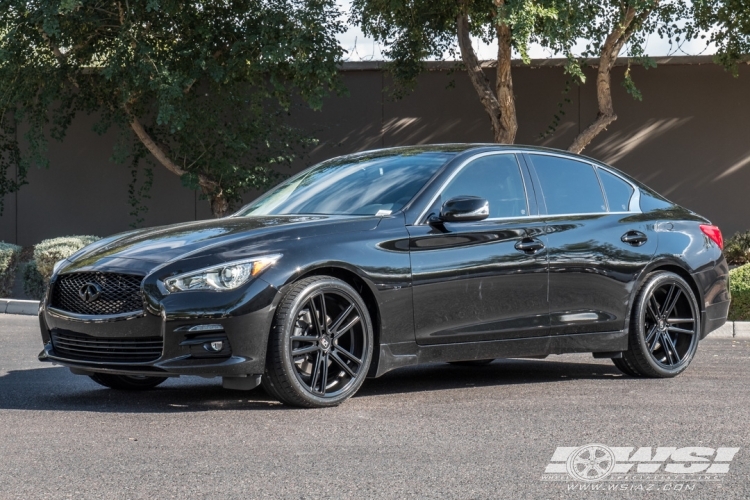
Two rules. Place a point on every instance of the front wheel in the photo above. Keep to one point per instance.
(320, 345)
(664, 328)
(126, 382)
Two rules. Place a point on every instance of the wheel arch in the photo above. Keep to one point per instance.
(365, 291)
(669, 266)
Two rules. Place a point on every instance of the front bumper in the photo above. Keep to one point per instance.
(245, 317)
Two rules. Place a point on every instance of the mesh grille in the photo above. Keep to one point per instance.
(120, 293)
(73, 345)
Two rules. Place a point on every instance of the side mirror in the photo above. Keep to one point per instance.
(465, 209)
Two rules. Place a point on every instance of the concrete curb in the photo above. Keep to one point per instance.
(25, 307)
(730, 329)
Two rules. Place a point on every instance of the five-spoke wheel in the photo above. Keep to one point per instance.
(321, 344)
(664, 330)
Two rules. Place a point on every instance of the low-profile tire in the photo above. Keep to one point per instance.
(320, 345)
(473, 362)
(664, 328)
(126, 382)
(624, 368)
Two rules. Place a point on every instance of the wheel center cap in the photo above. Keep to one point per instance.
(662, 324)
(325, 343)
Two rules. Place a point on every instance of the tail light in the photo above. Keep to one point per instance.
(714, 233)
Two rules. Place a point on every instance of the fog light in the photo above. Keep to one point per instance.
(206, 328)
(216, 346)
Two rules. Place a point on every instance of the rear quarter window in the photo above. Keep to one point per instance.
(617, 190)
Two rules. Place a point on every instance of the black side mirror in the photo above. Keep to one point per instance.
(465, 209)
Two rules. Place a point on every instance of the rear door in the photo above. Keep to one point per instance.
(598, 242)
(473, 281)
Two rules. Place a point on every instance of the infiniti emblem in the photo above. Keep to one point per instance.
(90, 292)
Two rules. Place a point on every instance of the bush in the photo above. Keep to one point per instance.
(737, 249)
(33, 282)
(48, 252)
(739, 286)
(9, 257)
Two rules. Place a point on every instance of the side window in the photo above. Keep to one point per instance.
(496, 178)
(617, 190)
(569, 186)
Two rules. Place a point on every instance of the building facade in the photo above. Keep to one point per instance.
(689, 139)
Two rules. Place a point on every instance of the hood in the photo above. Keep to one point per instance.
(168, 243)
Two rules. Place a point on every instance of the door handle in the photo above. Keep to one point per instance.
(529, 245)
(635, 238)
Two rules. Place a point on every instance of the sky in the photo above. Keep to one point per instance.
(361, 48)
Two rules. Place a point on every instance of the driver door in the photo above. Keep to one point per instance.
(475, 281)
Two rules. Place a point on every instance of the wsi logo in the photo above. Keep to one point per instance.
(597, 462)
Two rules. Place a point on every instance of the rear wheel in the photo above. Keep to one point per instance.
(127, 382)
(665, 328)
(320, 346)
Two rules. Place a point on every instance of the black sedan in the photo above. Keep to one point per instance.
(390, 258)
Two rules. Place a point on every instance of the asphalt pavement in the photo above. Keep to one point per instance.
(434, 431)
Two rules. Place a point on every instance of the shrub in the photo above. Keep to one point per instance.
(48, 252)
(739, 286)
(737, 249)
(9, 258)
(33, 282)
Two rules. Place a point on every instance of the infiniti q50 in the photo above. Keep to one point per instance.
(390, 258)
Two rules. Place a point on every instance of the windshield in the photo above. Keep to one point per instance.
(375, 184)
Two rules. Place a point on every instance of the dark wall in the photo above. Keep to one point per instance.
(689, 139)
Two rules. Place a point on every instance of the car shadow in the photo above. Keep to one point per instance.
(56, 389)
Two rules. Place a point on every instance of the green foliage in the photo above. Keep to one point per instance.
(9, 256)
(48, 252)
(212, 82)
(33, 282)
(414, 31)
(728, 25)
(595, 20)
(739, 287)
(737, 248)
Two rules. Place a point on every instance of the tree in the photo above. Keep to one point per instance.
(204, 88)
(415, 30)
(728, 22)
(609, 27)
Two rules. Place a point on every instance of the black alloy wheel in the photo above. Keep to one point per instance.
(320, 346)
(127, 382)
(664, 329)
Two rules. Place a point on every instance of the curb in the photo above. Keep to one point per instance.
(730, 329)
(24, 307)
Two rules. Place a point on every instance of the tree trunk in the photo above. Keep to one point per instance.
(210, 188)
(607, 58)
(500, 104)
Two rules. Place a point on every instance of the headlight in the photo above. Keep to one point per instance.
(224, 277)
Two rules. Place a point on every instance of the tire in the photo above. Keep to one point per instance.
(473, 362)
(316, 364)
(664, 328)
(624, 368)
(126, 382)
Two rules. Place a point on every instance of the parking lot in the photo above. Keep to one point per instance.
(435, 431)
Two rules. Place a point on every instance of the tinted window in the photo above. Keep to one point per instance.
(569, 186)
(652, 201)
(617, 190)
(497, 178)
(374, 184)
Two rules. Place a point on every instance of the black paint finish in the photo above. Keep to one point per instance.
(532, 285)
